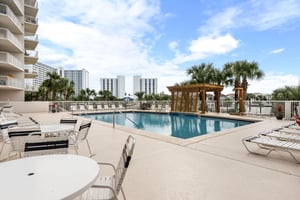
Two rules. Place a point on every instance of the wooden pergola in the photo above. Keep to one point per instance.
(185, 98)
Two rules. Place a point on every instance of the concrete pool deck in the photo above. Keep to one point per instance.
(213, 167)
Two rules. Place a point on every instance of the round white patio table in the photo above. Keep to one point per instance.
(64, 176)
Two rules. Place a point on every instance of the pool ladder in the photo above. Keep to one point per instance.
(114, 121)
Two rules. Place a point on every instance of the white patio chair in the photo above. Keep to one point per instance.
(43, 144)
(16, 138)
(68, 121)
(79, 136)
(108, 187)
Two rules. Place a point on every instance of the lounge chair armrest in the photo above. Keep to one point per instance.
(249, 138)
(264, 133)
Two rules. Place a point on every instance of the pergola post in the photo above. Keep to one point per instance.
(217, 105)
(240, 92)
(203, 102)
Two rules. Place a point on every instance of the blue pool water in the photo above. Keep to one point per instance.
(175, 124)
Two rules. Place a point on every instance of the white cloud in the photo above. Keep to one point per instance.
(261, 15)
(221, 22)
(110, 38)
(276, 51)
(206, 46)
(269, 14)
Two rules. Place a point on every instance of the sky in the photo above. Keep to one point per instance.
(163, 38)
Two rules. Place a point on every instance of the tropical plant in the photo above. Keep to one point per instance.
(241, 72)
(203, 73)
(66, 88)
(139, 95)
(53, 84)
(105, 95)
(287, 93)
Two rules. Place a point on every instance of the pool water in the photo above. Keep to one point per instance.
(175, 124)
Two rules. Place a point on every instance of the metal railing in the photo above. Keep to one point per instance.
(10, 82)
(122, 114)
(6, 57)
(6, 34)
(32, 3)
(30, 19)
(34, 38)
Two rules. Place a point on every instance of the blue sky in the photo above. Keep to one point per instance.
(164, 38)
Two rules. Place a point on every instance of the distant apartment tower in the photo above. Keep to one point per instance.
(146, 85)
(79, 77)
(42, 70)
(115, 85)
(18, 41)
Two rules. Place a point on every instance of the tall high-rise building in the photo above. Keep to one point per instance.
(79, 77)
(146, 85)
(42, 70)
(18, 41)
(115, 85)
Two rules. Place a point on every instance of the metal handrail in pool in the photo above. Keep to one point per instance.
(123, 116)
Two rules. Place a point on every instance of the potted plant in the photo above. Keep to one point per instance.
(279, 111)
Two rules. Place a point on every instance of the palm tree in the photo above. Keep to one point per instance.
(53, 84)
(70, 91)
(105, 94)
(139, 95)
(203, 73)
(241, 71)
(66, 88)
(82, 95)
(90, 93)
(287, 93)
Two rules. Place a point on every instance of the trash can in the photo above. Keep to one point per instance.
(54, 107)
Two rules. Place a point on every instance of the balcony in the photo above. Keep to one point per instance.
(31, 24)
(31, 7)
(9, 62)
(30, 73)
(16, 5)
(9, 42)
(31, 88)
(9, 83)
(31, 42)
(30, 57)
(9, 20)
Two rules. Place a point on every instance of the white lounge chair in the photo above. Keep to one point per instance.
(113, 106)
(105, 107)
(81, 107)
(73, 108)
(294, 127)
(90, 107)
(99, 107)
(108, 187)
(293, 137)
(272, 144)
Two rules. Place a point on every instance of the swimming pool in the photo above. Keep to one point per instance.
(174, 124)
